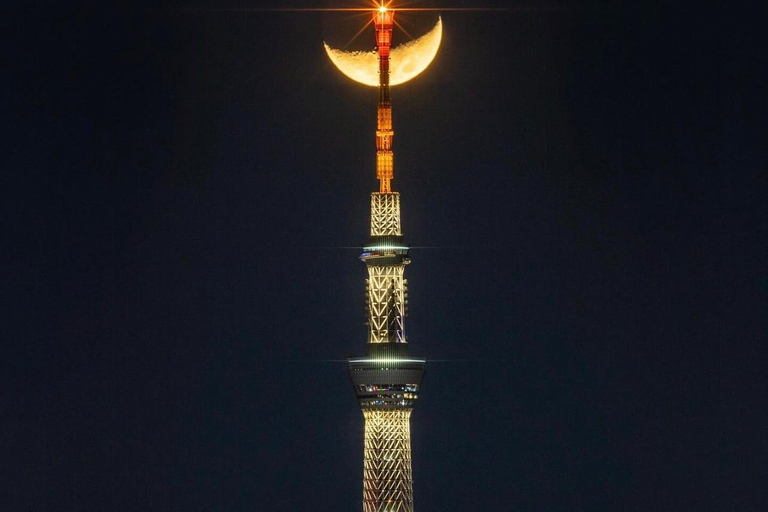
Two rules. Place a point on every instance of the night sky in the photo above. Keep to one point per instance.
(584, 185)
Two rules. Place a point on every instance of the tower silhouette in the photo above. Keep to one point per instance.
(386, 380)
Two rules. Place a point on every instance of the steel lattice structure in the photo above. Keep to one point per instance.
(387, 478)
(385, 287)
(386, 380)
(385, 290)
(385, 214)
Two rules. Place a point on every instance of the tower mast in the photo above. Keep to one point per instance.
(383, 19)
(386, 380)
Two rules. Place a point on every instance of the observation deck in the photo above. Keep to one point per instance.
(385, 250)
(387, 378)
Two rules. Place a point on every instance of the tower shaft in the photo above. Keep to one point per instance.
(385, 256)
(387, 478)
(386, 380)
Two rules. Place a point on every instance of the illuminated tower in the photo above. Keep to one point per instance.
(386, 380)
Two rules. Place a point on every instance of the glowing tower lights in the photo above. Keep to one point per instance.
(386, 381)
(383, 20)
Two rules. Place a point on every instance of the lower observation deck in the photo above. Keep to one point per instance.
(387, 378)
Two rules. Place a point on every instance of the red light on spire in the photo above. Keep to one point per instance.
(383, 18)
(383, 21)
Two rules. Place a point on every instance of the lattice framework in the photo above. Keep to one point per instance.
(385, 214)
(386, 381)
(386, 289)
(387, 475)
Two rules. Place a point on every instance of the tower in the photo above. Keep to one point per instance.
(386, 380)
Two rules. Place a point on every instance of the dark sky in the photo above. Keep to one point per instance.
(584, 186)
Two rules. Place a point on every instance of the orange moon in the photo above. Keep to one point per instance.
(406, 61)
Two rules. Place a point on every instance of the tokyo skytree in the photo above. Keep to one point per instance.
(387, 379)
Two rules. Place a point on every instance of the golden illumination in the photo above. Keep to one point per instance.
(407, 60)
(385, 214)
(386, 303)
(381, 379)
(387, 475)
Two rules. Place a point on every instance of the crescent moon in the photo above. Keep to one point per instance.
(406, 60)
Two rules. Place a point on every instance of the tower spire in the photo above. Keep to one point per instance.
(383, 20)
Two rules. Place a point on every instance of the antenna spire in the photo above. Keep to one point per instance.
(383, 20)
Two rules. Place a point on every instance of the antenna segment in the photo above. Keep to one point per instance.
(383, 19)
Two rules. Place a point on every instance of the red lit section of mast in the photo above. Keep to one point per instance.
(383, 20)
